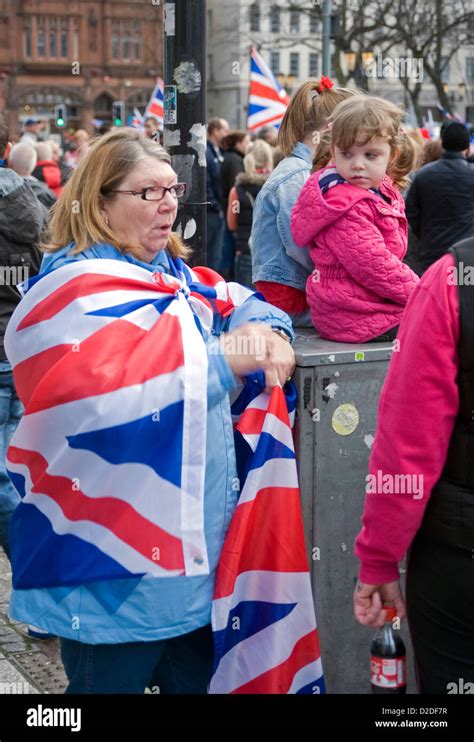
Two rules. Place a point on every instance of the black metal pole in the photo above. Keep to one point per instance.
(185, 134)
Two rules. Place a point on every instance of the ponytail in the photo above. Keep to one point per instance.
(308, 111)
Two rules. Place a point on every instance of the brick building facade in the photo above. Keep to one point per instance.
(84, 53)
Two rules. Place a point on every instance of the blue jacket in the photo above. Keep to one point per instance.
(150, 608)
(275, 256)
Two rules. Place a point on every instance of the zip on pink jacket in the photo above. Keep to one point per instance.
(357, 243)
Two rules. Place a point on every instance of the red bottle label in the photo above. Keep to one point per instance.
(388, 673)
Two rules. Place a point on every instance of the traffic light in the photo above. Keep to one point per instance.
(60, 115)
(118, 112)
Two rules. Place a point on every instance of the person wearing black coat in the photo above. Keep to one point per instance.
(235, 144)
(217, 129)
(22, 220)
(440, 202)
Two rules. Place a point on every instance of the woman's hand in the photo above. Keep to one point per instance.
(255, 346)
(368, 600)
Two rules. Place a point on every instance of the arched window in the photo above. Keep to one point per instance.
(27, 41)
(53, 43)
(64, 40)
(126, 45)
(41, 43)
(115, 40)
(138, 45)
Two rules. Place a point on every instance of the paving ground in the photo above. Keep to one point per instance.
(26, 665)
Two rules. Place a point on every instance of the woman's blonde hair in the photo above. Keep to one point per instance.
(259, 157)
(308, 112)
(77, 217)
(360, 119)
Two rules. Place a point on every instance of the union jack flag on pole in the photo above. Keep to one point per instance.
(268, 101)
(263, 616)
(156, 103)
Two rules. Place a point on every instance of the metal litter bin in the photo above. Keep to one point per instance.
(338, 386)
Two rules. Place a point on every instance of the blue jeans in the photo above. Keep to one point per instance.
(215, 237)
(243, 270)
(11, 410)
(182, 664)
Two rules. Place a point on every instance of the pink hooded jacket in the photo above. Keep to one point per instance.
(357, 242)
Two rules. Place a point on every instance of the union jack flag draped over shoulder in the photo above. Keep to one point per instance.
(268, 101)
(106, 427)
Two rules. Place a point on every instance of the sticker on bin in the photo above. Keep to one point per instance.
(345, 419)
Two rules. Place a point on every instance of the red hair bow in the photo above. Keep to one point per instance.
(325, 82)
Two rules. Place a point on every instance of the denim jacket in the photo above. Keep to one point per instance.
(275, 257)
(153, 608)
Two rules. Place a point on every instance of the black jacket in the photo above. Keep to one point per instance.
(440, 205)
(214, 161)
(248, 187)
(22, 218)
(233, 165)
(44, 194)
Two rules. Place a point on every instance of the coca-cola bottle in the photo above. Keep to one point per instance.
(387, 661)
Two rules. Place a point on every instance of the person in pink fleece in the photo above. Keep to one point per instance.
(421, 436)
(352, 216)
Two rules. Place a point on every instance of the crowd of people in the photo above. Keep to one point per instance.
(343, 221)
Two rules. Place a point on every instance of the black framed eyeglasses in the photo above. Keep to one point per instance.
(157, 193)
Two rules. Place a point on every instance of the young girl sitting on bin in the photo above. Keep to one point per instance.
(352, 216)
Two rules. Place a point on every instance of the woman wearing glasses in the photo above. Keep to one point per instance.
(120, 635)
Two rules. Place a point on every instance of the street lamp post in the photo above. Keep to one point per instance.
(286, 81)
(357, 63)
(454, 97)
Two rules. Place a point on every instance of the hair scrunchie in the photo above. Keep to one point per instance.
(324, 83)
